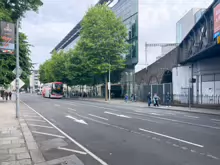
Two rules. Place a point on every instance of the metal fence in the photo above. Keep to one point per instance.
(142, 91)
(186, 98)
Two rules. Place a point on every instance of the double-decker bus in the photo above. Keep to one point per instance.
(53, 90)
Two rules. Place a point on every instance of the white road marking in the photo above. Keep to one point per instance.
(155, 114)
(31, 116)
(146, 120)
(98, 117)
(70, 104)
(43, 126)
(57, 105)
(173, 120)
(71, 150)
(70, 138)
(195, 117)
(157, 117)
(215, 120)
(77, 120)
(71, 109)
(35, 120)
(193, 151)
(119, 115)
(48, 134)
(213, 157)
(184, 148)
(173, 138)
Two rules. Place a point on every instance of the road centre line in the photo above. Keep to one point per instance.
(215, 120)
(173, 138)
(71, 109)
(99, 117)
(43, 126)
(191, 116)
(71, 150)
(48, 134)
(157, 117)
(173, 120)
(57, 105)
(70, 138)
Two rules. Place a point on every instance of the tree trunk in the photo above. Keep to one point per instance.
(106, 88)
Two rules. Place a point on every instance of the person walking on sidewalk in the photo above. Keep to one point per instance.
(168, 99)
(126, 98)
(149, 99)
(156, 100)
(10, 94)
(6, 95)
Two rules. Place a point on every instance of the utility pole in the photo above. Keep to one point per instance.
(17, 69)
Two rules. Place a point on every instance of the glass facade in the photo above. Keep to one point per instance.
(128, 11)
(186, 23)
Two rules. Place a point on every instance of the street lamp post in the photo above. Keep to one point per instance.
(17, 69)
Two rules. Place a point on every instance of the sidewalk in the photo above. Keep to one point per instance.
(17, 145)
(144, 105)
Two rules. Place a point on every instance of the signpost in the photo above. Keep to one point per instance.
(17, 83)
(19, 71)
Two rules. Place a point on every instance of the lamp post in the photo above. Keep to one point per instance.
(17, 69)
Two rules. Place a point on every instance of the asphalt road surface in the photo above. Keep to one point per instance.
(99, 133)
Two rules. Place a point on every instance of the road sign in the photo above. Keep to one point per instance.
(19, 71)
(14, 83)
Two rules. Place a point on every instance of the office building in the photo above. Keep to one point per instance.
(186, 23)
(34, 81)
(128, 11)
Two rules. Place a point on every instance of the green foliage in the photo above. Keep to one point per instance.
(8, 62)
(103, 39)
(17, 8)
(11, 10)
(102, 44)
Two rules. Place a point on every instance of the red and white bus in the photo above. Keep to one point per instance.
(53, 90)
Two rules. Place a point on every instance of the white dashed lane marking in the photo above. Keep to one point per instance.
(173, 138)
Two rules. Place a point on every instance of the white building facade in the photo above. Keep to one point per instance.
(34, 81)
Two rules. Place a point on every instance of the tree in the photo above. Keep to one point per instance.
(17, 8)
(8, 62)
(11, 10)
(103, 39)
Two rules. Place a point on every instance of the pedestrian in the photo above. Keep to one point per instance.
(10, 94)
(126, 98)
(168, 99)
(135, 98)
(6, 95)
(156, 100)
(149, 99)
(132, 97)
(2, 94)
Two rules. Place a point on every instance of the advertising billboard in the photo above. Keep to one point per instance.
(216, 14)
(7, 38)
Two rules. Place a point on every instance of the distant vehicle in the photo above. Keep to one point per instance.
(53, 90)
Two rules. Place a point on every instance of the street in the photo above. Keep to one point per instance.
(97, 133)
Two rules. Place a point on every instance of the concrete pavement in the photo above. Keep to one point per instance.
(100, 133)
(17, 147)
